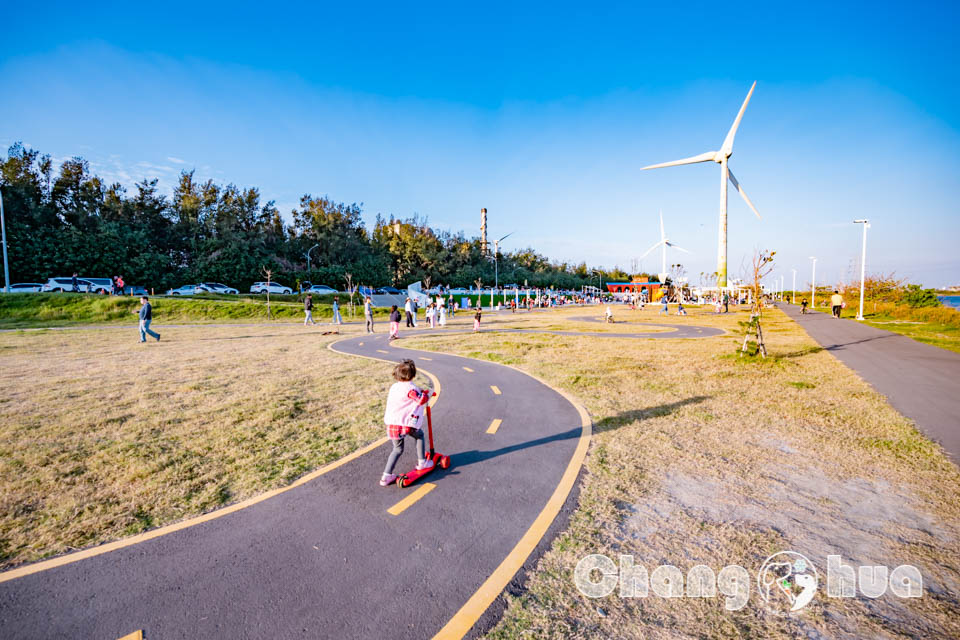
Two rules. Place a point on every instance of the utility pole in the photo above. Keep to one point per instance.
(3, 231)
(813, 284)
(794, 290)
(863, 263)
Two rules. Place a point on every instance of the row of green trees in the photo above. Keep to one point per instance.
(69, 220)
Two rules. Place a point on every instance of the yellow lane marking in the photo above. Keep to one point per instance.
(404, 504)
(464, 619)
(468, 369)
(382, 351)
(495, 389)
(136, 635)
(162, 531)
(494, 425)
(359, 344)
(425, 358)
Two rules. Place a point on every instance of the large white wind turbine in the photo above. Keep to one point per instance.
(663, 244)
(721, 157)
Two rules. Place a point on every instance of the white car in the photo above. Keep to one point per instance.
(84, 285)
(274, 287)
(321, 290)
(216, 287)
(26, 287)
(187, 290)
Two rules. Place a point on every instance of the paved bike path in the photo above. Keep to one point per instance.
(325, 559)
(921, 381)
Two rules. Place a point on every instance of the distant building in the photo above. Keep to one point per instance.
(639, 285)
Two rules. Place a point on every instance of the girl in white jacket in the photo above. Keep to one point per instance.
(403, 417)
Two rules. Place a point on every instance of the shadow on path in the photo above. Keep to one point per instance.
(614, 422)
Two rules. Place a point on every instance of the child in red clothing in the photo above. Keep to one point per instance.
(403, 417)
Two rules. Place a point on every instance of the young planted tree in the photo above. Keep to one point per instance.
(479, 283)
(269, 274)
(351, 289)
(761, 266)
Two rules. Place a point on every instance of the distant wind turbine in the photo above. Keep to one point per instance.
(663, 244)
(721, 157)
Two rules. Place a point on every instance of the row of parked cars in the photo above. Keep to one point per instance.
(84, 285)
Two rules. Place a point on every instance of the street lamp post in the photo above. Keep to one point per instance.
(813, 284)
(863, 263)
(3, 232)
(793, 292)
(599, 282)
(308, 255)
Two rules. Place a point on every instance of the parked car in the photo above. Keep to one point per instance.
(105, 284)
(26, 287)
(321, 289)
(392, 291)
(274, 287)
(216, 287)
(186, 290)
(84, 285)
(135, 291)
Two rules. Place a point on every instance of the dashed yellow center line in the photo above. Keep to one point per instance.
(468, 369)
(425, 358)
(382, 351)
(136, 635)
(495, 389)
(494, 425)
(359, 344)
(405, 504)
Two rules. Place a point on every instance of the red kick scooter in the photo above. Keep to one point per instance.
(439, 460)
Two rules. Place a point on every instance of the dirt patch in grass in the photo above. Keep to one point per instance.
(102, 437)
(703, 458)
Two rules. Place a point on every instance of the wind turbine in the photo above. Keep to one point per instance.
(721, 157)
(663, 244)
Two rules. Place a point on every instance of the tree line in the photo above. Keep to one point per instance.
(70, 220)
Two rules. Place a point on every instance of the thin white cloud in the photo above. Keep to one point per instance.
(175, 160)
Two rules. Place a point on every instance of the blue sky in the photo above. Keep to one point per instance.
(543, 113)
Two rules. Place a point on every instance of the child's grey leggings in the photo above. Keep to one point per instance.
(417, 435)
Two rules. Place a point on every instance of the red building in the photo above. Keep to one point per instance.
(639, 285)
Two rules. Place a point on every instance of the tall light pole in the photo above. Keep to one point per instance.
(813, 284)
(496, 260)
(863, 263)
(781, 286)
(793, 292)
(308, 255)
(599, 281)
(3, 232)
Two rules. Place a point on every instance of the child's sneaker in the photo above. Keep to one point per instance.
(425, 464)
(387, 479)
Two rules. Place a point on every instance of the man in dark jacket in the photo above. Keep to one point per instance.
(146, 317)
(308, 310)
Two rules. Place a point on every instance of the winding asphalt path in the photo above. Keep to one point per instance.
(326, 558)
(921, 381)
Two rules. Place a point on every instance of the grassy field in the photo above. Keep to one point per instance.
(101, 437)
(703, 457)
(26, 310)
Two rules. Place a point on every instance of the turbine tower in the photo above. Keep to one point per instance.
(664, 243)
(721, 157)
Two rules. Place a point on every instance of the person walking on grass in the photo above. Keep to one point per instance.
(146, 317)
(476, 319)
(408, 310)
(836, 302)
(308, 310)
(726, 302)
(404, 417)
(73, 282)
(368, 313)
(394, 323)
(415, 307)
(664, 310)
(442, 315)
(337, 320)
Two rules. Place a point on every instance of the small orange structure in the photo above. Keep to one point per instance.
(638, 284)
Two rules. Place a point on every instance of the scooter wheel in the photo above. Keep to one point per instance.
(445, 462)
(402, 481)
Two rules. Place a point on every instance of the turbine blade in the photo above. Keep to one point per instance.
(703, 157)
(727, 147)
(743, 194)
(651, 249)
(673, 246)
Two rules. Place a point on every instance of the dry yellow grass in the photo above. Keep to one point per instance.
(701, 457)
(102, 437)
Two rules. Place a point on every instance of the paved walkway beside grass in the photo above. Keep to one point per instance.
(921, 381)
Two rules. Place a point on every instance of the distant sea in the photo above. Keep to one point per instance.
(951, 301)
